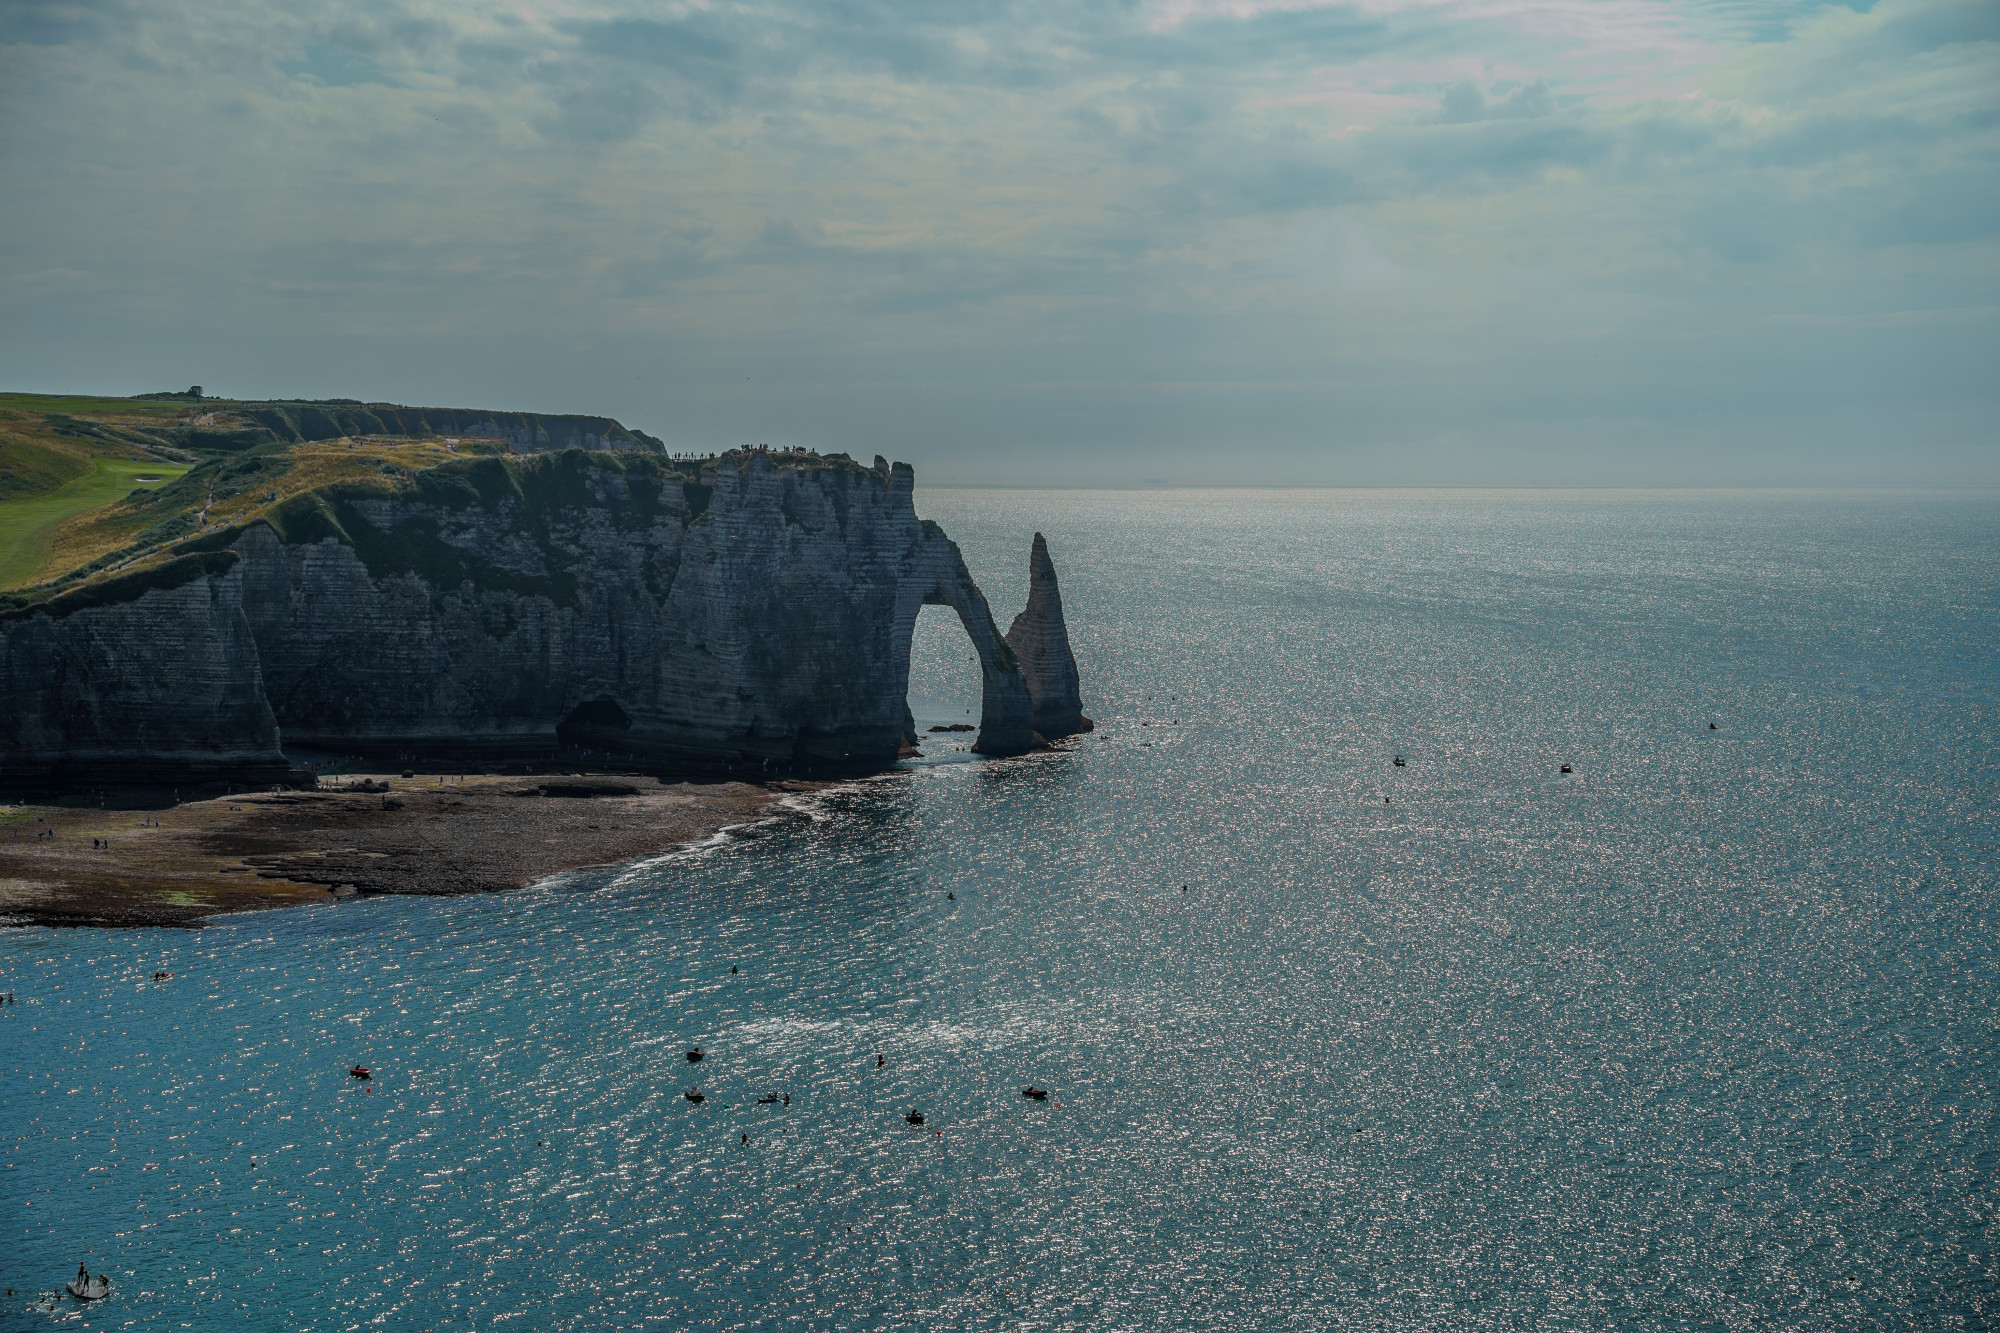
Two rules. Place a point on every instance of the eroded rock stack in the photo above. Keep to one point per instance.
(1040, 641)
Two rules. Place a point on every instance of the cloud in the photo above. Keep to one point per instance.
(56, 22)
(1473, 212)
(1465, 102)
(605, 112)
(704, 62)
(333, 67)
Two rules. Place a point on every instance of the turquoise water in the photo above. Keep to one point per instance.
(1700, 1036)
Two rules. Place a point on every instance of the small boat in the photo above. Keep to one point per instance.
(1399, 761)
(1713, 727)
(770, 1099)
(95, 1289)
(915, 1116)
(695, 1095)
(358, 1071)
(694, 1055)
(1567, 769)
(1038, 1094)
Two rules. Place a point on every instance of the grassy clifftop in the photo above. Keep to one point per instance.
(91, 486)
(57, 466)
(102, 498)
(29, 525)
(44, 444)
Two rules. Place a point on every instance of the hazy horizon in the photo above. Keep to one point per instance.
(1214, 242)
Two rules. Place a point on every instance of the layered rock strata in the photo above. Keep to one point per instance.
(155, 691)
(751, 614)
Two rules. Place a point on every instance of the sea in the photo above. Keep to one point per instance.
(1654, 989)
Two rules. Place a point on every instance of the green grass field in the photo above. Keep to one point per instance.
(28, 526)
(72, 404)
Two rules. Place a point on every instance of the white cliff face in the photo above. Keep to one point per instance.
(755, 617)
(159, 688)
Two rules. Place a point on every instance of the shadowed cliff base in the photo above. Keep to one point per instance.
(69, 867)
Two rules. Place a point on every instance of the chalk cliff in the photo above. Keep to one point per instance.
(160, 689)
(751, 613)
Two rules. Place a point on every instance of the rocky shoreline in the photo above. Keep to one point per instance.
(365, 834)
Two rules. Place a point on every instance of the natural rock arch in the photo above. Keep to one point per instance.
(938, 577)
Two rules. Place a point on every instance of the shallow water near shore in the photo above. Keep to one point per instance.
(1701, 1035)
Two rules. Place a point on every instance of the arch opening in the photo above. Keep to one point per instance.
(599, 723)
(947, 685)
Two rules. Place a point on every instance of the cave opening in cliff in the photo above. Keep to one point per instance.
(598, 723)
(945, 680)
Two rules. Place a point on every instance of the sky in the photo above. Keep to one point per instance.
(1061, 243)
